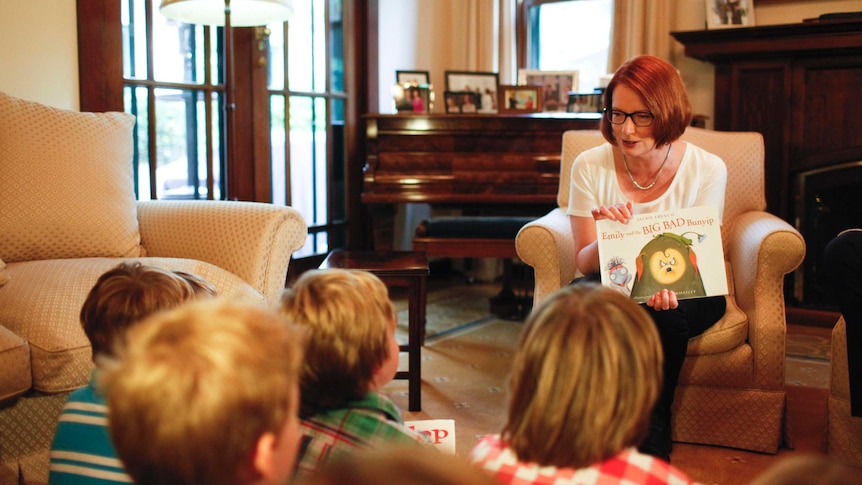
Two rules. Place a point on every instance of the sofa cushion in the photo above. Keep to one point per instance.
(15, 362)
(42, 302)
(66, 183)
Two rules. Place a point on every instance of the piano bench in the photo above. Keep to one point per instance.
(480, 237)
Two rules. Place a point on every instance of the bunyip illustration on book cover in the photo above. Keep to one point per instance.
(679, 250)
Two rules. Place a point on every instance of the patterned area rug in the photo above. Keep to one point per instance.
(450, 310)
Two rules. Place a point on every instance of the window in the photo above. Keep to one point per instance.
(307, 120)
(173, 86)
(173, 82)
(562, 35)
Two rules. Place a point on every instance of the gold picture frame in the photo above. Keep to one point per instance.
(520, 99)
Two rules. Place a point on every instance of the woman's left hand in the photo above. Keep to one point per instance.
(663, 300)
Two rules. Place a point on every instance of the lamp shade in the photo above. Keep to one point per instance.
(243, 13)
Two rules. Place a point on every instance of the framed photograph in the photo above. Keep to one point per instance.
(412, 77)
(727, 14)
(482, 83)
(520, 99)
(585, 103)
(411, 98)
(462, 102)
(556, 86)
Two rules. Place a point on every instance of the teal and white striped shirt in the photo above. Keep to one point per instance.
(82, 452)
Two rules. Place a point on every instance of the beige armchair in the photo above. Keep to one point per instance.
(731, 388)
(843, 430)
(68, 214)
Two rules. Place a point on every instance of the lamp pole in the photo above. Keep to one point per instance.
(229, 104)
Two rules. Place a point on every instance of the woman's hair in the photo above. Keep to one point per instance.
(347, 315)
(194, 388)
(585, 378)
(129, 292)
(661, 88)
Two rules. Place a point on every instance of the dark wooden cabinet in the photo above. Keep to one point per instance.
(800, 85)
(494, 164)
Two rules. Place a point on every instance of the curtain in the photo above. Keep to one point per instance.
(641, 27)
(475, 29)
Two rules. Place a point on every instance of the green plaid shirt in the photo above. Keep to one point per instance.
(367, 423)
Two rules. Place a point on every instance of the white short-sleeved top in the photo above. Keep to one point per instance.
(700, 180)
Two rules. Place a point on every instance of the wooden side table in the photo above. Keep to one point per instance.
(397, 269)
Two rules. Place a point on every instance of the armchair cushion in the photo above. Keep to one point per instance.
(52, 207)
(52, 292)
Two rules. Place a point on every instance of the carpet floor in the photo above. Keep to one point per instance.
(465, 366)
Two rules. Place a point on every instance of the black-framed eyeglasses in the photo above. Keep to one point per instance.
(639, 118)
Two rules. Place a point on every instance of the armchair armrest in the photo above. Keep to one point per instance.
(762, 248)
(252, 240)
(547, 244)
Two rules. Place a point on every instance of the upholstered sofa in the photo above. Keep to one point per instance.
(68, 213)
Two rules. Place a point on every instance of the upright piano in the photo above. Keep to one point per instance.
(491, 164)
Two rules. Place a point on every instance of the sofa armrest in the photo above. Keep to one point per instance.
(762, 249)
(252, 240)
(547, 244)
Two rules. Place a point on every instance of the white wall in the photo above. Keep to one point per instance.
(39, 51)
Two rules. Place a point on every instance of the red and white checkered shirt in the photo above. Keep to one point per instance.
(629, 467)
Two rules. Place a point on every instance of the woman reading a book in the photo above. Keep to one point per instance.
(644, 167)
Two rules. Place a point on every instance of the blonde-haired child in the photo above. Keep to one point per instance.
(584, 380)
(351, 353)
(207, 393)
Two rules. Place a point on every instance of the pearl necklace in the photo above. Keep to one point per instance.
(649, 185)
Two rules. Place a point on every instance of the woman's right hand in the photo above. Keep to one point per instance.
(621, 212)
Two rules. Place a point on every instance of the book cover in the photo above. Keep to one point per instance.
(441, 432)
(680, 250)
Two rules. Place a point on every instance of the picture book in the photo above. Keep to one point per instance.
(679, 250)
(441, 432)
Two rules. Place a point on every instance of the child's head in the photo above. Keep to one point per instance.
(129, 292)
(206, 393)
(586, 376)
(350, 322)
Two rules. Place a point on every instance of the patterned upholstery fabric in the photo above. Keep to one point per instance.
(69, 215)
(15, 362)
(843, 431)
(731, 390)
(51, 207)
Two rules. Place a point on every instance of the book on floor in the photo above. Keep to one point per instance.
(441, 432)
(680, 250)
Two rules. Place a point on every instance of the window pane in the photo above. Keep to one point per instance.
(135, 101)
(300, 69)
(179, 51)
(277, 149)
(275, 64)
(336, 43)
(321, 173)
(575, 36)
(134, 39)
(318, 46)
(181, 141)
(302, 157)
